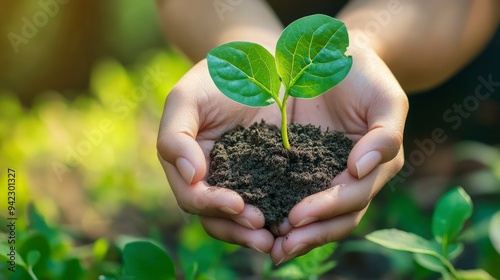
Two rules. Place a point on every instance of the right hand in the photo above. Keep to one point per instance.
(196, 114)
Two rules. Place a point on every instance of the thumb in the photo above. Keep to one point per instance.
(176, 142)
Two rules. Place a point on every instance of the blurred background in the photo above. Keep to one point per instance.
(82, 87)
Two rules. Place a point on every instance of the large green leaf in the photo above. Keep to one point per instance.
(310, 55)
(8, 252)
(143, 260)
(245, 72)
(36, 242)
(72, 269)
(38, 223)
(403, 241)
(450, 214)
(32, 258)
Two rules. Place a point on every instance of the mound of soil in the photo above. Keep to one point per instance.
(253, 162)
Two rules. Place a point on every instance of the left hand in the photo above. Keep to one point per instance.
(371, 107)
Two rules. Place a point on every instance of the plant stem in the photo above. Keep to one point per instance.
(32, 274)
(450, 267)
(284, 123)
(445, 246)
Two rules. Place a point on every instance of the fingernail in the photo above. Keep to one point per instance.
(228, 210)
(281, 260)
(252, 246)
(305, 221)
(244, 222)
(186, 169)
(367, 163)
(297, 248)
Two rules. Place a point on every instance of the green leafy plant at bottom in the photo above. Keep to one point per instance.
(41, 252)
(47, 252)
(143, 259)
(44, 252)
(309, 266)
(204, 258)
(451, 212)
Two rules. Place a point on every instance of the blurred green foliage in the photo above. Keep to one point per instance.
(98, 148)
(86, 162)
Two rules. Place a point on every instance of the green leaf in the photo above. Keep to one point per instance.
(100, 248)
(319, 254)
(6, 254)
(495, 231)
(245, 72)
(403, 241)
(435, 264)
(36, 242)
(123, 240)
(324, 268)
(311, 264)
(450, 214)
(144, 260)
(72, 269)
(33, 258)
(310, 55)
(430, 262)
(38, 223)
(476, 274)
(289, 272)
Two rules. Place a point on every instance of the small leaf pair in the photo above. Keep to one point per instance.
(310, 60)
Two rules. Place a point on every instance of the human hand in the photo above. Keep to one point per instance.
(196, 114)
(371, 107)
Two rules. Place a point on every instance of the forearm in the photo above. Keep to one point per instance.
(423, 42)
(197, 26)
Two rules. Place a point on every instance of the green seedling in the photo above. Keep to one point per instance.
(310, 60)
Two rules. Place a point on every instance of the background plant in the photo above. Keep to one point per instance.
(450, 214)
(310, 60)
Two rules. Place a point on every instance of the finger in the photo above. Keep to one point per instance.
(282, 229)
(277, 254)
(200, 198)
(179, 126)
(347, 194)
(229, 231)
(251, 217)
(302, 240)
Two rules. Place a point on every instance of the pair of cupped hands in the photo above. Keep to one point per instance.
(369, 105)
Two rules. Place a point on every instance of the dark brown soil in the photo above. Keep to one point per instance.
(253, 162)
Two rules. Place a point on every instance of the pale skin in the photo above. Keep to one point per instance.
(370, 105)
